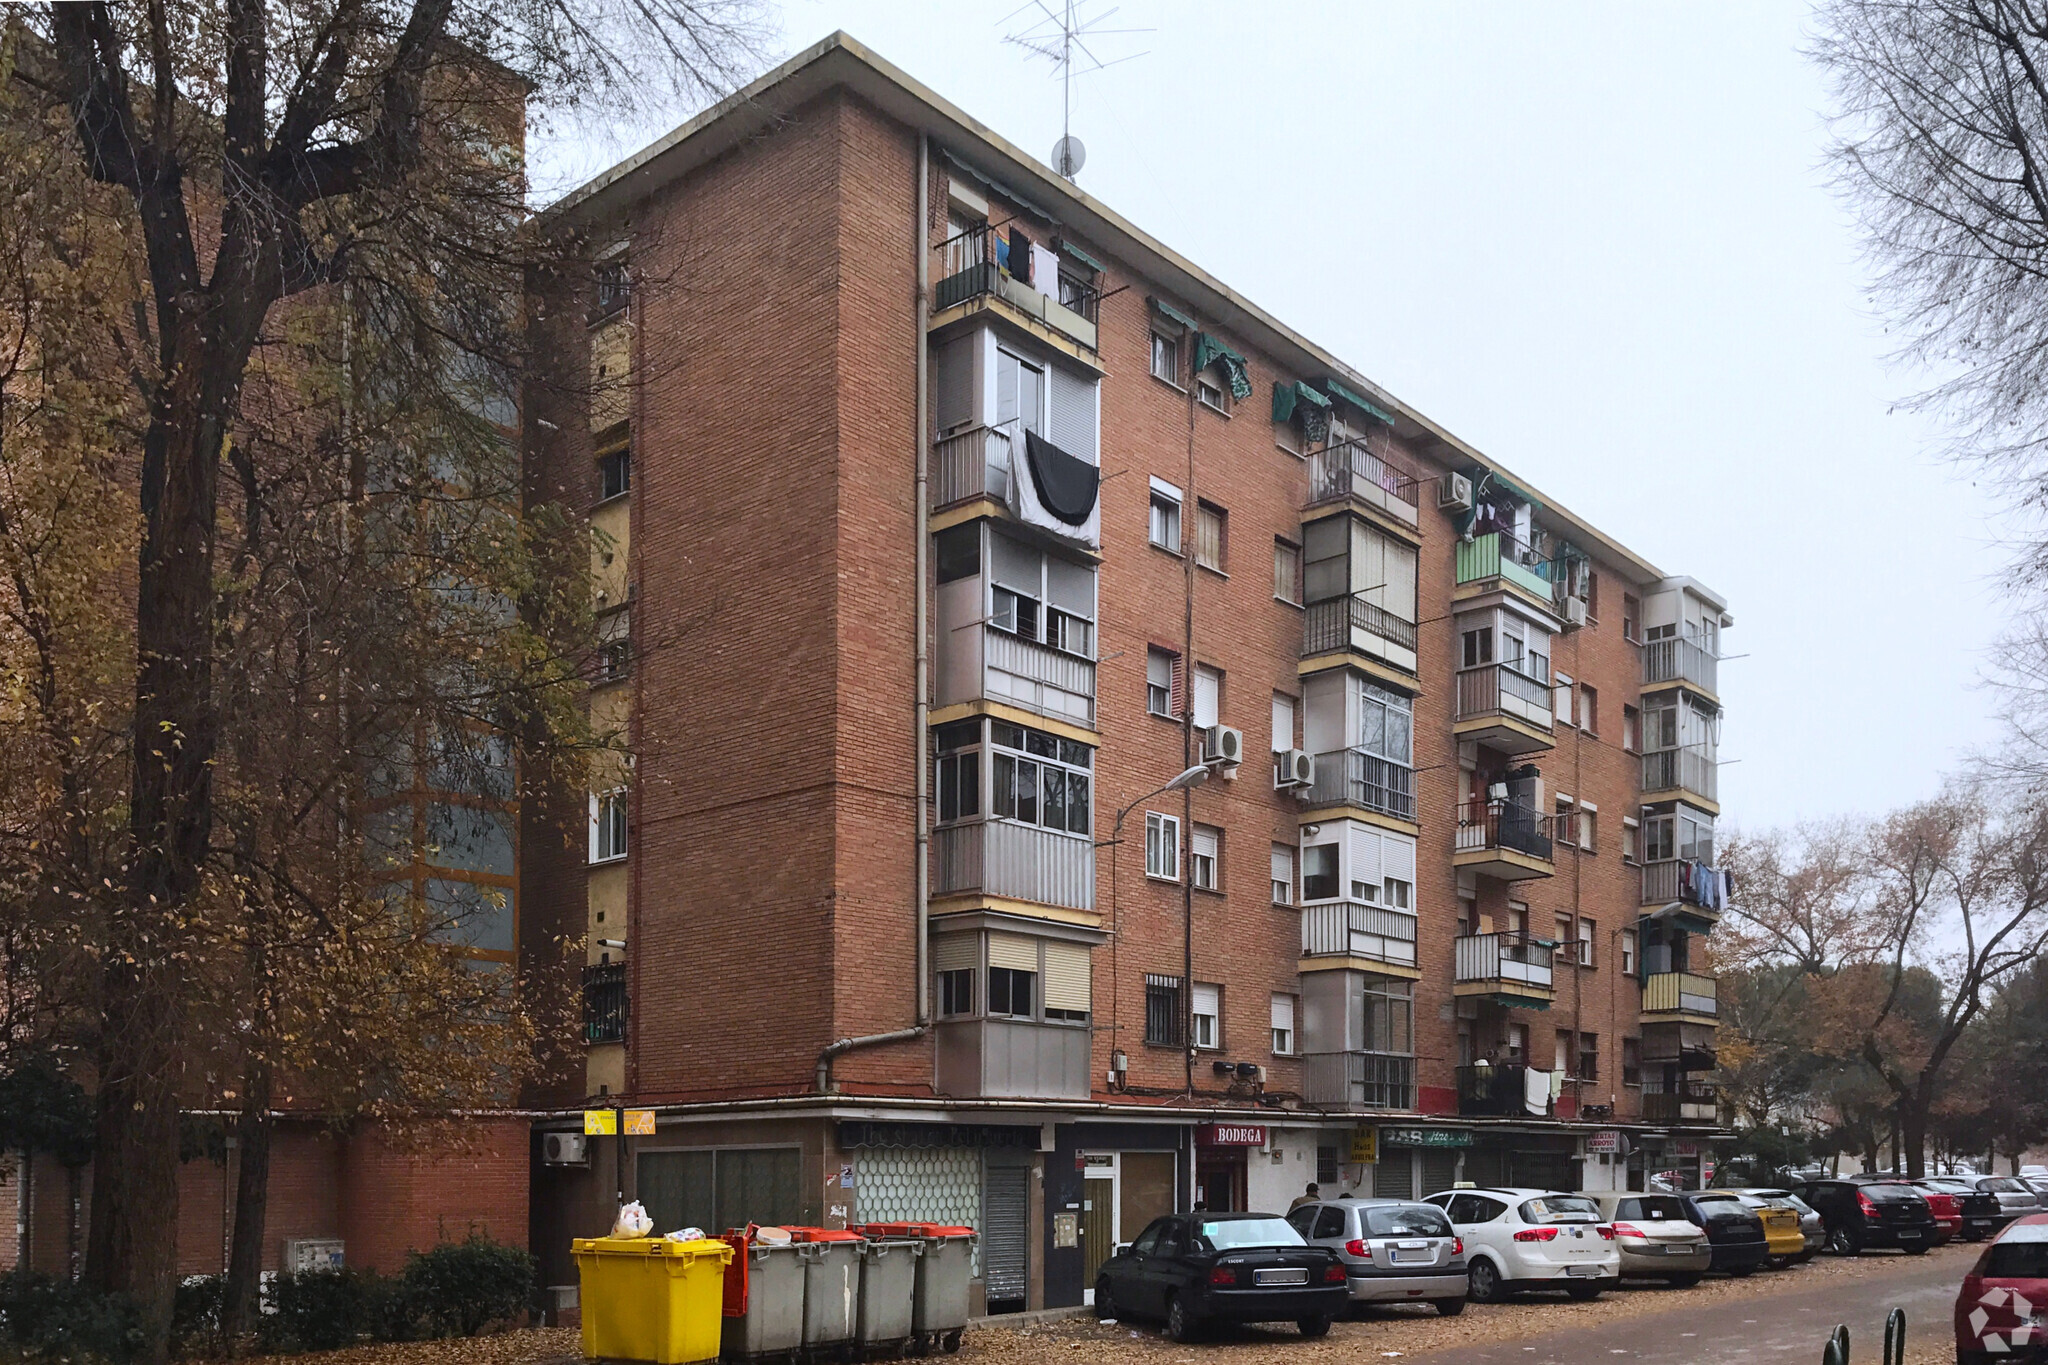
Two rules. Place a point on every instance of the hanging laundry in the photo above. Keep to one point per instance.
(1045, 271)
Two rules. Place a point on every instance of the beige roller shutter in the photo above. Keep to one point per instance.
(1066, 976)
(952, 952)
(1013, 951)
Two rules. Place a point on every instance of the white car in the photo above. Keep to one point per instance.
(1531, 1239)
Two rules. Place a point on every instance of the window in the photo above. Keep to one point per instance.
(1033, 595)
(1587, 934)
(1478, 646)
(1631, 1061)
(1208, 695)
(1038, 779)
(1518, 1042)
(956, 991)
(614, 288)
(1283, 722)
(1589, 708)
(1631, 730)
(1162, 1010)
(615, 473)
(1561, 827)
(1283, 875)
(1212, 536)
(1164, 530)
(1389, 1016)
(1288, 437)
(1589, 815)
(1518, 918)
(1657, 839)
(1286, 570)
(1319, 872)
(1205, 849)
(1162, 682)
(1562, 932)
(959, 784)
(1668, 631)
(1162, 846)
(1166, 359)
(1208, 1020)
(1631, 618)
(608, 825)
(1468, 913)
(1562, 686)
(1561, 1058)
(1010, 991)
(614, 646)
(1020, 394)
(1628, 952)
(1589, 1057)
(1386, 724)
(1211, 393)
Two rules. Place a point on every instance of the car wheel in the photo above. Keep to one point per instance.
(1318, 1326)
(1842, 1242)
(1105, 1306)
(1917, 1249)
(1482, 1282)
(1583, 1291)
(1449, 1308)
(1180, 1324)
(1682, 1281)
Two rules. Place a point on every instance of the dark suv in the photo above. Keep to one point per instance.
(1873, 1213)
(1735, 1235)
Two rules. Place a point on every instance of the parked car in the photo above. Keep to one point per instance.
(2003, 1305)
(1655, 1237)
(1734, 1231)
(1191, 1269)
(1519, 1239)
(1812, 1227)
(1978, 1210)
(2037, 1183)
(1861, 1215)
(1784, 1239)
(1394, 1250)
(2016, 1199)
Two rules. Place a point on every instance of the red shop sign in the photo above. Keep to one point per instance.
(1231, 1135)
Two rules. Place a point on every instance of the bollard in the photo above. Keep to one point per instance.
(1837, 1350)
(1895, 1337)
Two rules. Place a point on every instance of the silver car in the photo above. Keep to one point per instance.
(1655, 1235)
(2016, 1199)
(1394, 1250)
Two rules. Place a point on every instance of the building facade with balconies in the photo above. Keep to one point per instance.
(1158, 532)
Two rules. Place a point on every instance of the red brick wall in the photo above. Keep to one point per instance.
(396, 1197)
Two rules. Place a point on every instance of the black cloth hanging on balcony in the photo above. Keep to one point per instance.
(1066, 485)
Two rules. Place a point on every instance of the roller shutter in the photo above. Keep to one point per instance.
(1066, 977)
(1005, 1237)
(951, 952)
(1439, 1170)
(1013, 951)
(1394, 1177)
(1073, 414)
(919, 1185)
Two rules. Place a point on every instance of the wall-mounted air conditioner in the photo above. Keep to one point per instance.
(1293, 768)
(1222, 744)
(1454, 493)
(564, 1149)
(1574, 613)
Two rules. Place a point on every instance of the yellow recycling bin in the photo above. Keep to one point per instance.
(650, 1299)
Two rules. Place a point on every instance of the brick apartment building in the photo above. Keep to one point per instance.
(862, 370)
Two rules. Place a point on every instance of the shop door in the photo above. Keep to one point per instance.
(1098, 1223)
(1144, 1191)
(1439, 1170)
(1005, 1237)
(1220, 1181)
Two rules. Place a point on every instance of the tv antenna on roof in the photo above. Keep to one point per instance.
(1060, 31)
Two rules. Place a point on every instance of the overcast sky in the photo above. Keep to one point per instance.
(1595, 241)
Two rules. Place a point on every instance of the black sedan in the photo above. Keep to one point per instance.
(1190, 1269)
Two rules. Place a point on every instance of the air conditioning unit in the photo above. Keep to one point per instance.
(1293, 768)
(564, 1149)
(1574, 613)
(1221, 744)
(313, 1253)
(1454, 493)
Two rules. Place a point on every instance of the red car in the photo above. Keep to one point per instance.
(2002, 1313)
(1948, 1215)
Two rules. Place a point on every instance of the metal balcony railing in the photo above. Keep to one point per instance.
(1353, 929)
(1685, 1103)
(1673, 992)
(1486, 825)
(1496, 1090)
(1497, 554)
(1351, 777)
(971, 464)
(1013, 859)
(1678, 660)
(1494, 688)
(1350, 471)
(1673, 879)
(1359, 1080)
(977, 262)
(1692, 770)
(1327, 625)
(1514, 958)
(604, 1003)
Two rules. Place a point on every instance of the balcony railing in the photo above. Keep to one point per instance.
(1350, 777)
(1015, 860)
(977, 262)
(1352, 929)
(1677, 660)
(1497, 1090)
(1497, 554)
(1497, 688)
(1676, 992)
(1350, 472)
(1327, 626)
(1508, 958)
(1692, 770)
(1676, 879)
(1687, 1103)
(971, 464)
(1038, 677)
(1490, 825)
(1360, 1080)
(604, 1003)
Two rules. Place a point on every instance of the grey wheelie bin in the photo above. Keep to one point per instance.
(764, 1299)
(939, 1302)
(888, 1292)
(832, 1278)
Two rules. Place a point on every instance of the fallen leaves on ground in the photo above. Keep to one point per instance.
(537, 1347)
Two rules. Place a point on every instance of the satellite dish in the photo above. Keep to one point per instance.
(1068, 156)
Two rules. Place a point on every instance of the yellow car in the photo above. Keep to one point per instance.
(1783, 1237)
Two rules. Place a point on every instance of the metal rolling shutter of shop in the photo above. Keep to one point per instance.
(1005, 1235)
(1394, 1177)
(1066, 976)
(1439, 1170)
(1542, 1170)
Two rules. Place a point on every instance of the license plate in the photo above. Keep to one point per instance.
(1583, 1272)
(1909, 1237)
(1280, 1277)
(1423, 1255)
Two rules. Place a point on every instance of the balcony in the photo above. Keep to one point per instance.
(1505, 708)
(1681, 770)
(1359, 1080)
(1014, 861)
(1351, 473)
(1498, 555)
(970, 464)
(1038, 677)
(1339, 625)
(1502, 840)
(1507, 969)
(979, 271)
(1679, 661)
(1686, 882)
(1011, 1059)
(1352, 929)
(1351, 777)
(1680, 996)
(604, 1003)
(1499, 1090)
(1688, 1103)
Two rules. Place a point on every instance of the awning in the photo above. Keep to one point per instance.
(1209, 351)
(1167, 310)
(1083, 257)
(999, 188)
(1287, 397)
(1364, 405)
(1493, 476)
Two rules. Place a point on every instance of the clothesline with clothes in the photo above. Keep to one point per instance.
(1710, 888)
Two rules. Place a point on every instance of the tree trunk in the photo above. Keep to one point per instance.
(1913, 1133)
(253, 1127)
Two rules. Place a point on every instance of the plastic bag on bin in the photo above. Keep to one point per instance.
(633, 1221)
(686, 1235)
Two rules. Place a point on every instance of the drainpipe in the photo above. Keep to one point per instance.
(921, 704)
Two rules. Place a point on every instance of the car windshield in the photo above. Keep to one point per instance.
(1227, 1234)
(1406, 1220)
(2016, 1261)
(1560, 1208)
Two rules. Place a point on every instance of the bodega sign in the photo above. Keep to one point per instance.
(1231, 1135)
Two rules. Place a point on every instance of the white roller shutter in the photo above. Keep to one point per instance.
(1073, 414)
(1399, 563)
(1066, 976)
(1366, 861)
(1397, 856)
(1013, 951)
(951, 952)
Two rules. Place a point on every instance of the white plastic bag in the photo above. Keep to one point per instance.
(686, 1235)
(633, 1221)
